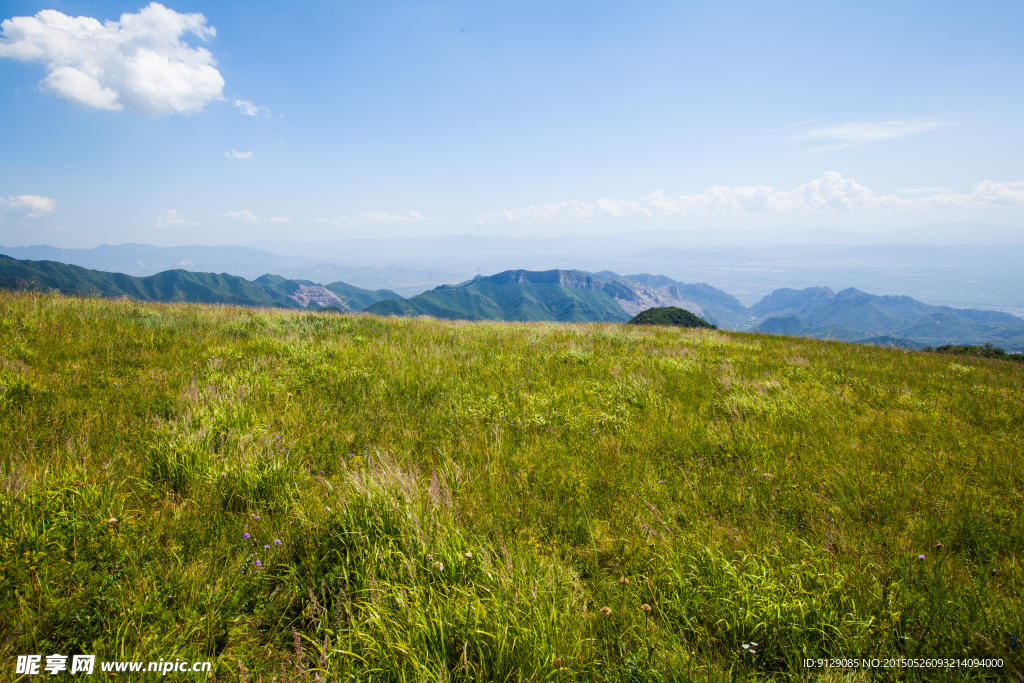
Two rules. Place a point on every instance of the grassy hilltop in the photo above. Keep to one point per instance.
(324, 497)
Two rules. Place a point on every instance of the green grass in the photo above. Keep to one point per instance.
(458, 501)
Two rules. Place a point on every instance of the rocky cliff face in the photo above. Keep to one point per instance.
(565, 278)
(649, 297)
(323, 296)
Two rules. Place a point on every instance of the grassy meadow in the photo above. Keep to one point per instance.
(315, 497)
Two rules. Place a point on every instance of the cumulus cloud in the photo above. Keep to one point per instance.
(139, 63)
(238, 155)
(171, 217)
(831, 193)
(243, 215)
(27, 205)
(279, 219)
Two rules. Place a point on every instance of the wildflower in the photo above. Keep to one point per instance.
(257, 563)
(223, 474)
(277, 541)
(469, 556)
(606, 611)
(245, 536)
(112, 521)
(266, 547)
(646, 608)
(430, 558)
(661, 481)
(321, 473)
(623, 580)
(920, 557)
(257, 518)
(439, 566)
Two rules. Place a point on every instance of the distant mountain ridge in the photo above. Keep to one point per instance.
(564, 296)
(183, 285)
(142, 260)
(853, 315)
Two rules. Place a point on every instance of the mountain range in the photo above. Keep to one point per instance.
(183, 285)
(853, 315)
(959, 276)
(558, 295)
(564, 296)
(145, 259)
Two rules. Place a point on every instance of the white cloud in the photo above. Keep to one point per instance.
(250, 109)
(279, 219)
(861, 132)
(238, 155)
(829, 194)
(382, 217)
(138, 63)
(243, 215)
(28, 205)
(171, 217)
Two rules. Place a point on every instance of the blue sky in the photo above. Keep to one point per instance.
(228, 123)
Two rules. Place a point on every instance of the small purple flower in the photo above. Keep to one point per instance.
(321, 473)
(277, 541)
(245, 536)
(920, 557)
(257, 518)
(266, 547)
(246, 526)
(661, 481)
(257, 563)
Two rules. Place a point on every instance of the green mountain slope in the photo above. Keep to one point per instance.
(181, 285)
(357, 298)
(853, 315)
(669, 315)
(566, 296)
(556, 295)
